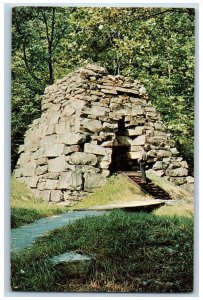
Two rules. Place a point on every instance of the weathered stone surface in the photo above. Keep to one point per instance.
(158, 165)
(96, 111)
(140, 140)
(32, 181)
(24, 158)
(137, 131)
(29, 168)
(177, 172)
(93, 181)
(134, 155)
(157, 140)
(174, 151)
(45, 194)
(95, 149)
(56, 196)
(55, 150)
(84, 117)
(57, 164)
(70, 181)
(41, 169)
(163, 153)
(190, 179)
(71, 138)
(72, 263)
(178, 180)
(93, 125)
(50, 184)
(86, 169)
(82, 158)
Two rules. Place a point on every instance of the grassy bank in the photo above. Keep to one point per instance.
(25, 208)
(117, 189)
(134, 252)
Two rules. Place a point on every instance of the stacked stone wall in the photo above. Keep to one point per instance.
(67, 152)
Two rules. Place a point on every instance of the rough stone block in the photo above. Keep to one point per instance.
(70, 181)
(93, 181)
(72, 263)
(95, 149)
(32, 181)
(163, 153)
(93, 125)
(50, 184)
(137, 131)
(40, 170)
(179, 172)
(139, 141)
(82, 158)
(190, 179)
(86, 169)
(29, 168)
(134, 155)
(56, 196)
(45, 195)
(157, 140)
(96, 111)
(41, 161)
(54, 151)
(71, 138)
(57, 164)
(158, 165)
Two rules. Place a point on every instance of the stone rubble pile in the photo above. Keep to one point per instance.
(67, 152)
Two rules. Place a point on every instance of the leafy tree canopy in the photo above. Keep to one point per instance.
(154, 45)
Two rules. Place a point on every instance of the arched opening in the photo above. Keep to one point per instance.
(120, 160)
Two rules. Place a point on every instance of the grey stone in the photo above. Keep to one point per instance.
(50, 184)
(32, 181)
(56, 196)
(140, 140)
(82, 158)
(70, 181)
(163, 153)
(70, 146)
(29, 168)
(72, 263)
(57, 164)
(137, 131)
(178, 180)
(54, 151)
(71, 138)
(93, 125)
(158, 165)
(93, 181)
(177, 172)
(40, 170)
(190, 179)
(95, 149)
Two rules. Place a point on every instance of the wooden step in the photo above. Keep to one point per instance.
(149, 187)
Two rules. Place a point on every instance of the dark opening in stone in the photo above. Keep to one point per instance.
(120, 160)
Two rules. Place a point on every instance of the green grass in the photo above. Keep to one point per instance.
(117, 189)
(134, 252)
(25, 208)
(176, 192)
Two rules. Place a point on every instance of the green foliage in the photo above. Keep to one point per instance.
(137, 252)
(155, 45)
